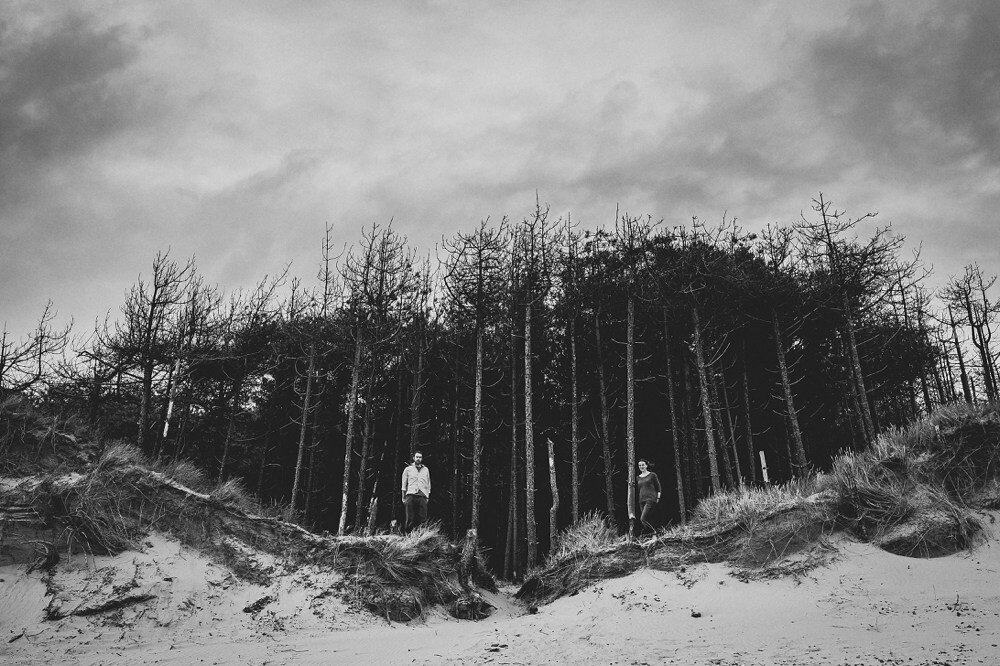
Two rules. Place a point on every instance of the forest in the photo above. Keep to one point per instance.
(532, 361)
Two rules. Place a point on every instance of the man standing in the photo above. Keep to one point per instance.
(416, 491)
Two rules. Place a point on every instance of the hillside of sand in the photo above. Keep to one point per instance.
(865, 606)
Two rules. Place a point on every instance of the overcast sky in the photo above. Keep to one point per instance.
(234, 131)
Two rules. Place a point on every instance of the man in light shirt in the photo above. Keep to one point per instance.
(416, 491)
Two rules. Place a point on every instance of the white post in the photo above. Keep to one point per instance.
(763, 467)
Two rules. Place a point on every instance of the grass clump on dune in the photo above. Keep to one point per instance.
(749, 528)
(914, 492)
(589, 551)
(399, 576)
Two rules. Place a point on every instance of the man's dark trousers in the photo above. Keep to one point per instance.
(416, 510)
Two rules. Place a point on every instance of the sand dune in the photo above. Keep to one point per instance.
(867, 606)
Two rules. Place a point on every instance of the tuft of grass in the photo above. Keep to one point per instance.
(592, 533)
(119, 454)
(399, 576)
(232, 492)
(749, 505)
(897, 494)
(186, 473)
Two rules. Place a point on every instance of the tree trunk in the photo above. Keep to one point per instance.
(231, 425)
(925, 390)
(396, 509)
(303, 428)
(144, 405)
(609, 485)
(477, 435)
(943, 395)
(172, 379)
(94, 413)
(456, 461)
(961, 361)
(706, 403)
(979, 342)
(366, 442)
(554, 510)
(415, 397)
(859, 376)
(372, 510)
(529, 448)
(574, 422)
(737, 468)
(373, 503)
(352, 402)
(630, 410)
(798, 456)
(674, 431)
(311, 478)
(690, 434)
(511, 556)
(747, 423)
(725, 464)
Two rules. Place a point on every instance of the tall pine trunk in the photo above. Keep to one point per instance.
(602, 387)
(477, 435)
(456, 471)
(352, 402)
(747, 422)
(630, 406)
(366, 446)
(311, 478)
(737, 468)
(706, 403)
(554, 509)
(416, 395)
(966, 392)
(859, 375)
(145, 405)
(574, 422)
(725, 463)
(230, 426)
(303, 429)
(979, 342)
(529, 448)
(798, 456)
(511, 554)
(674, 431)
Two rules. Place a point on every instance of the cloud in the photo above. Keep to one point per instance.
(914, 89)
(236, 130)
(60, 90)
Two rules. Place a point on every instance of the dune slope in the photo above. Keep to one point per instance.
(867, 606)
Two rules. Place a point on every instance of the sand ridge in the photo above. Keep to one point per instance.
(867, 606)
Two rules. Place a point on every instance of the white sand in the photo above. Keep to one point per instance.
(868, 607)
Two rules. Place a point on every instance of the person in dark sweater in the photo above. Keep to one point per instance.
(649, 493)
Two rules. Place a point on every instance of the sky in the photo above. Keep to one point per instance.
(234, 131)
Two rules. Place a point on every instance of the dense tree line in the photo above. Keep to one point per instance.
(532, 362)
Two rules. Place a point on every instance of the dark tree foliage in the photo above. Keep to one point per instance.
(707, 349)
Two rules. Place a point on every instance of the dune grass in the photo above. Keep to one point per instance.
(915, 492)
(399, 576)
(113, 502)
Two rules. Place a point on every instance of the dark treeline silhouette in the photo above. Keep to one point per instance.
(530, 361)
